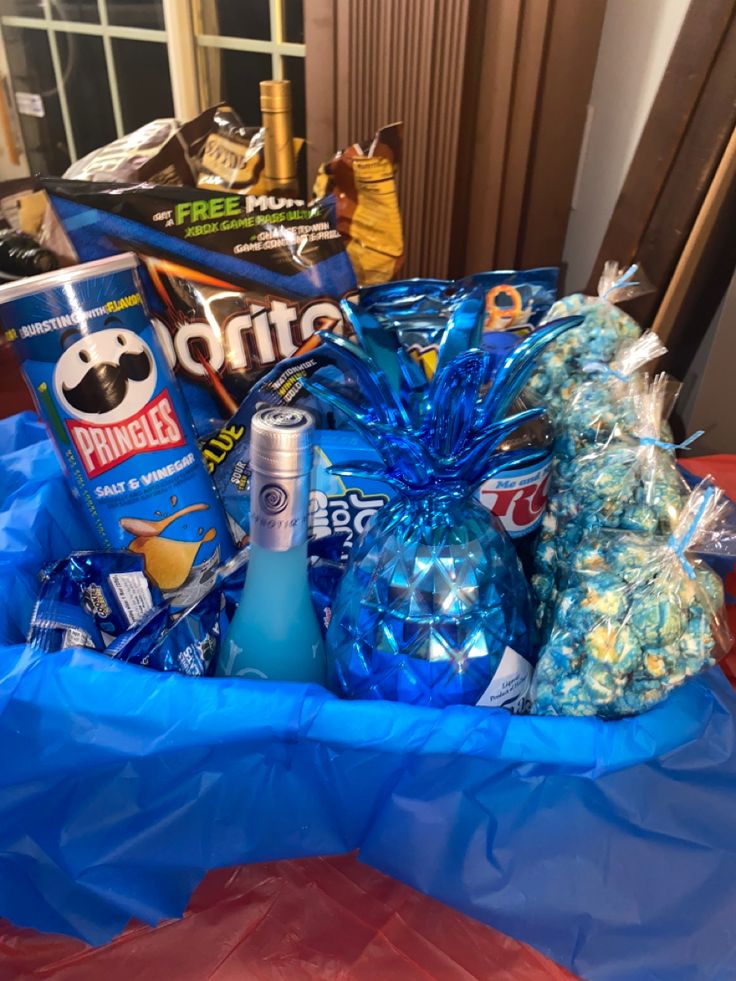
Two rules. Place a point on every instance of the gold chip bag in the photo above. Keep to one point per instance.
(362, 181)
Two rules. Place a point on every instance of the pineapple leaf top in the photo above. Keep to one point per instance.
(446, 432)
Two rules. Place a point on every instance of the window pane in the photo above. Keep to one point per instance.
(142, 71)
(234, 76)
(22, 8)
(294, 21)
(80, 10)
(29, 61)
(236, 18)
(294, 71)
(90, 106)
(136, 13)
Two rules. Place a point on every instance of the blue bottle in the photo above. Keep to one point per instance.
(275, 634)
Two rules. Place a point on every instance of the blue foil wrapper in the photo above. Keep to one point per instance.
(188, 645)
(89, 598)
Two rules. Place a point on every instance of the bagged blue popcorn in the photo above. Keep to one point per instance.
(638, 616)
(607, 398)
(598, 338)
(630, 482)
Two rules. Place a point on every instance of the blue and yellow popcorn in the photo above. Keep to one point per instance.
(637, 616)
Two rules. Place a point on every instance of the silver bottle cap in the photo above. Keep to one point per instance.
(281, 441)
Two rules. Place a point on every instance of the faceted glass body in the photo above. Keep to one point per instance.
(432, 596)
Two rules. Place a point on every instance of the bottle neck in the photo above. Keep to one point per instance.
(279, 163)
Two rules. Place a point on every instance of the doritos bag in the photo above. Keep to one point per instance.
(237, 282)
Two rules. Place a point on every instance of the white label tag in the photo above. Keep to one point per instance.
(510, 684)
(134, 594)
(30, 104)
(75, 637)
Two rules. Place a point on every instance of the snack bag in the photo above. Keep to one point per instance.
(630, 483)
(638, 616)
(89, 598)
(163, 151)
(493, 310)
(608, 397)
(105, 602)
(231, 155)
(604, 328)
(214, 151)
(517, 300)
(237, 283)
(187, 643)
(361, 181)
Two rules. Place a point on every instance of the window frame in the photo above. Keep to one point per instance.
(184, 43)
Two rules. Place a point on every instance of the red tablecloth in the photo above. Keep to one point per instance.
(329, 918)
(321, 918)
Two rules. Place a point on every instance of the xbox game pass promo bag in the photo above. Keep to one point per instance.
(237, 282)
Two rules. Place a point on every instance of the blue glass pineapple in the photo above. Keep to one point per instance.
(433, 596)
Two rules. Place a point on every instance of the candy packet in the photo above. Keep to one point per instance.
(187, 644)
(630, 482)
(638, 616)
(104, 601)
(90, 598)
(597, 339)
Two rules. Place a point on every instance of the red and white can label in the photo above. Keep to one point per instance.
(518, 497)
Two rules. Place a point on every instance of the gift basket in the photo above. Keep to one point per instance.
(295, 567)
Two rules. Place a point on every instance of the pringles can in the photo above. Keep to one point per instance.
(92, 361)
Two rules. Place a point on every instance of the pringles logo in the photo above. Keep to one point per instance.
(105, 383)
(156, 427)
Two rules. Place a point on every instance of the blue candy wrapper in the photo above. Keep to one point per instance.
(90, 598)
(432, 320)
(103, 601)
(188, 645)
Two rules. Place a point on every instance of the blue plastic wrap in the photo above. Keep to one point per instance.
(606, 845)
